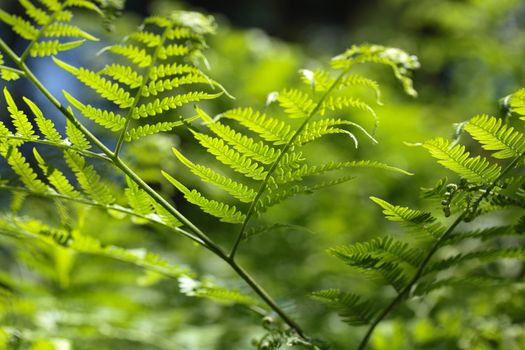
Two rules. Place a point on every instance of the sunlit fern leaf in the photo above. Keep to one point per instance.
(76, 137)
(16, 160)
(359, 80)
(343, 102)
(156, 87)
(270, 129)
(296, 104)
(258, 151)
(88, 178)
(138, 199)
(123, 74)
(455, 158)
(52, 47)
(319, 128)
(55, 177)
(107, 119)
(151, 129)
(195, 288)
(52, 5)
(495, 136)
(172, 50)
(402, 64)
(220, 210)
(86, 4)
(169, 103)
(135, 54)
(165, 217)
(20, 26)
(167, 70)
(20, 121)
(66, 30)
(516, 102)
(147, 38)
(482, 256)
(228, 156)
(182, 33)
(235, 189)
(352, 309)
(403, 214)
(37, 14)
(108, 90)
(46, 126)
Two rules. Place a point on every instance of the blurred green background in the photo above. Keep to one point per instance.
(472, 53)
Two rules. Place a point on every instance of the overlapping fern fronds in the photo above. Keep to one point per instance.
(266, 149)
(415, 268)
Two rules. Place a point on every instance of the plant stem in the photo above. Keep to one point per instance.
(274, 165)
(406, 290)
(203, 239)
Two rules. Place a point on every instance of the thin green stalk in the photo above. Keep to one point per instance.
(406, 290)
(274, 165)
(17, 71)
(136, 100)
(117, 162)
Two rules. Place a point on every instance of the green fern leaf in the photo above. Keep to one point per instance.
(135, 54)
(138, 199)
(195, 288)
(179, 33)
(172, 102)
(88, 178)
(403, 214)
(89, 5)
(258, 151)
(167, 70)
(156, 87)
(165, 217)
(109, 120)
(317, 129)
(147, 38)
(19, 25)
(238, 162)
(342, 102)
(20, 121)
(53, 47)
(38, 15)
(172, 50)
(108, 90)
(270, 129)
(66, 30)
(495, 136)
(76, 137)
(52, 5)
(349, 306)
(481, 234)
(55, 177)
(223, 211)
(151, 129)
(46, 126)
(296, 103)
(236, 189)
(455, 158)
(123, 74)
(355, 79)
(21, 167)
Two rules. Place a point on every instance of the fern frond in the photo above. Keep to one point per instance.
(403, 214)
(169, 103)
(220, 210)
(58, 29)
(38, 15)
(108, 90)
(165, 217)
(89, 5)
(236, 189)
(46, 126)
(151, 129)
(359, 80)
(172, 50)
(52, 47)
(19, 25)
(319, 128)
(167, 70)
(21, 167)
(352, 309)
(138, 199)
(55, 177)
(52, 5)
(296, 103)
(107, 119)
(156, 87)
(258, 151)
(135, 54)
(455, 158)
(342, 102)
(182, 33)
(195, 288)
(123, 74)
(495, 136)
(270, 129)
(237, 161)
(147, 38)
(88, 178)
(76, 137)
(20, 121)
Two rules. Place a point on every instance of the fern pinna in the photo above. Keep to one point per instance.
(415, 267)
(267, 151)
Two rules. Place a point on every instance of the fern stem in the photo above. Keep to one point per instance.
(406, 290)
(204, 240)
(274, 165)
(136, 100)
(11, 69)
